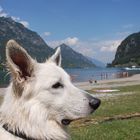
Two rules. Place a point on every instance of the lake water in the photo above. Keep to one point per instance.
(93, 74)
(84, 75)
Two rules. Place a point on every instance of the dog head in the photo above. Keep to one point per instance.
(45, 89)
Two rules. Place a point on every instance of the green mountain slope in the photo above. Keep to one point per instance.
(71, 58)
(31, 41)
(128, 52)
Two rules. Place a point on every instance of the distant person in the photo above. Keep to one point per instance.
(95, 81)
(90, 81)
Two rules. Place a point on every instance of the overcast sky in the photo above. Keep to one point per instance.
(92, 27)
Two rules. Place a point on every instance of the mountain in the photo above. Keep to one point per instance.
(96, 62)
(71, 58)
(35, 45)
(128, 52)
(31, 41)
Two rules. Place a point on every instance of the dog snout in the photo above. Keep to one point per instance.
(94, 103)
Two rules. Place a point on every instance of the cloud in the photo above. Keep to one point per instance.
(128, 26)
(110, 45)
(103, 50)
(47, 34)
(2, 13)
(127, 30)
(71, 41)
(17, 19)
(123, 34)
(23, 22)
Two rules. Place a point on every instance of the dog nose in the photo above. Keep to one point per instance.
(94, 103)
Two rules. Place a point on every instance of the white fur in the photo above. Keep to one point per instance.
(32, 105)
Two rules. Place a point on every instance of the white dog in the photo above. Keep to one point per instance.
(41, 100)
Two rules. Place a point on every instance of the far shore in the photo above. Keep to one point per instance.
(127, 81)
(133, 80)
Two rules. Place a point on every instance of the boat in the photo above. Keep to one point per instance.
(132, 68)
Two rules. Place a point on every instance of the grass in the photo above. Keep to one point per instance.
(94, 127)
(113, 130)
(117, 130)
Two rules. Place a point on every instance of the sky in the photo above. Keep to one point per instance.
(94, 28)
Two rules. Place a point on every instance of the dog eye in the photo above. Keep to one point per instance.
(57, 85)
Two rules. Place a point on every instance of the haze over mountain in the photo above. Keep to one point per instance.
(96, 62)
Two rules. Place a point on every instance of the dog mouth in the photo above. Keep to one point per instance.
(66, 121)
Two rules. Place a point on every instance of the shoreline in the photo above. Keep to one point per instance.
(109, 83)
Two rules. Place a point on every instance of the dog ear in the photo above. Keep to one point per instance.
(19, 62)
(56, 58)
